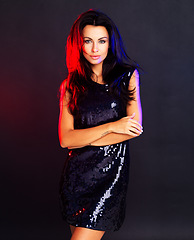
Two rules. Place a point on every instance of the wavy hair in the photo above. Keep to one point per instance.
(79, 70)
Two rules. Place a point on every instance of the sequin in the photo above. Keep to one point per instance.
(113, 104)
(94, 181)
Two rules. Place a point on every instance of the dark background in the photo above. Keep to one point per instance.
(158, 34)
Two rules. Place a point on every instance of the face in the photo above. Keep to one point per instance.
(95, 43)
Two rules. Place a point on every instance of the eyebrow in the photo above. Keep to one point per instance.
(98, 38)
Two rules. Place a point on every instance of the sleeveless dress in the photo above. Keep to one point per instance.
(94, 180)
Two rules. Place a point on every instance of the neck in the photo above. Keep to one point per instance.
(97, 69)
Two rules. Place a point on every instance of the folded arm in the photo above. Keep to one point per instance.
(133, 108)
(105, 134)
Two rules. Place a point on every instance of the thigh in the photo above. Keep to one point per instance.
(81, 233)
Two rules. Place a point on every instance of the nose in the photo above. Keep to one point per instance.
(95, 47)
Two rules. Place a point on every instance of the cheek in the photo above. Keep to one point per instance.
(105, 49)
(85, 54)
(85, 48)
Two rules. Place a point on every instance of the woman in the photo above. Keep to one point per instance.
(100, 111)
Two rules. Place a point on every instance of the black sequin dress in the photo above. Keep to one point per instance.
(94, 181)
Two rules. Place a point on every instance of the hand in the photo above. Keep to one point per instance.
(127, 125)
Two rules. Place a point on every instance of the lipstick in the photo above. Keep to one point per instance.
(95, 57)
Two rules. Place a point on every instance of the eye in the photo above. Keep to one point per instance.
(87, 41)
(102, 41)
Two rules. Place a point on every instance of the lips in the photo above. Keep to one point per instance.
(95, 57)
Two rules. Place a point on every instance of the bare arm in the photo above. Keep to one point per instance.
(70, 137)
(75, 138)
(133, 108)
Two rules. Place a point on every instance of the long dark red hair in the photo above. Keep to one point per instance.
(79, 70)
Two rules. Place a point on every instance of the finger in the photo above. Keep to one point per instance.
(133, 121)
(133, 134)
(135, 130)
(132, 116)
(136, 127)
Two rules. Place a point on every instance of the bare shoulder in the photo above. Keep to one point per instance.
(64, 93)
(63, 86)
(134, 81)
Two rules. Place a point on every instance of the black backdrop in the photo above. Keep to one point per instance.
(158, 34)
